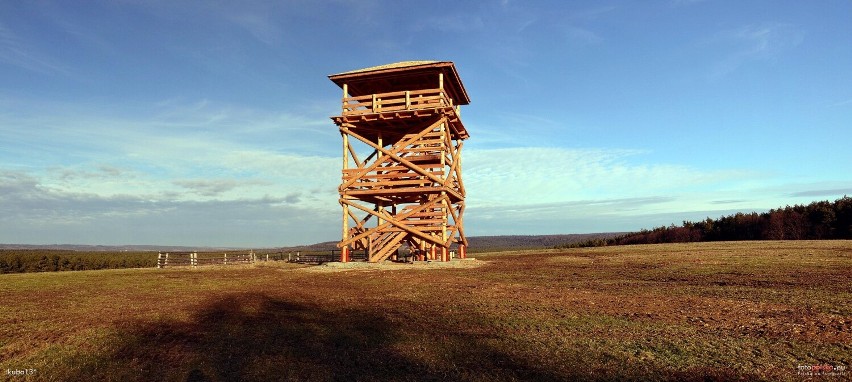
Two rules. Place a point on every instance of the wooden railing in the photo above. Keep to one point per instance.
(396, 101)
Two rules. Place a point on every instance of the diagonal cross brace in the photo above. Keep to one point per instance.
(395, 221)
(390, 154)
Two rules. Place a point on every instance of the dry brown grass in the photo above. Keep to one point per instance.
(703, 311)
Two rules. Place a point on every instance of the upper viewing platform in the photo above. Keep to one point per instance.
(410, 87)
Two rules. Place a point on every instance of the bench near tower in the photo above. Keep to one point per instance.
(406, 188)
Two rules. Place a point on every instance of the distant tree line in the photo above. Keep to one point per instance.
(818, 220)
(32, 260)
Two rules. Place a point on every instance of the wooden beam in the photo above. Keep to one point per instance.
(454, 168)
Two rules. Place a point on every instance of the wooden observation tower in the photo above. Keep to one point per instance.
(402, 174)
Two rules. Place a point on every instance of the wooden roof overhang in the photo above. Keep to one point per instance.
(401, 76)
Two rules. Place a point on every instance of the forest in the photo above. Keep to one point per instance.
(35, 260)
(815, 221)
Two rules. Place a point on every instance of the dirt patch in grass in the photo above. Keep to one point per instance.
(712, 311)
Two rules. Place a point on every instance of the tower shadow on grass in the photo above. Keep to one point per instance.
(255, 337)
(261, 338)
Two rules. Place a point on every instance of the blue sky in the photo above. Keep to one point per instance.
(206, 123)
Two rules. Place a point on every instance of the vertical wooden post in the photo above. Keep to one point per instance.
(433, 251)
(344, 255)
(345, 231)
(462, 251)
(373, 107)
(407, 100)
(345, 151)
(379, 206)
(445, 204)
(167, 260)
(445, 256)
(441, 82)
(226, 259)
(345, 95)
(443, 130)
(159, 259)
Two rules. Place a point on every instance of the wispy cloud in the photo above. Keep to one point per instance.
(80, 150)
(16, 51)
(728, 201)
(754, 42)
(536, 175)
(841, 103)
(578, 36)
(455, 23)
(33, 213)
(604, 215)
(683, 3)
(834, 192)
(260, 25)
(217, 187)
(591, 13)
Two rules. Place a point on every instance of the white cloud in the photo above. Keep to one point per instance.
(529, 190)
(182, 153)
(534, 175)
(33, 213)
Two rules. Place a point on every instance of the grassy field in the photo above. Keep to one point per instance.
(701, 311)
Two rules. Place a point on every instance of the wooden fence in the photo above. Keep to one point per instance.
(193, 259)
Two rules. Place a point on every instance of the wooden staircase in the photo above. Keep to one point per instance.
(387, 245)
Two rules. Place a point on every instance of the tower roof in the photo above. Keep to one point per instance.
(404, 75)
